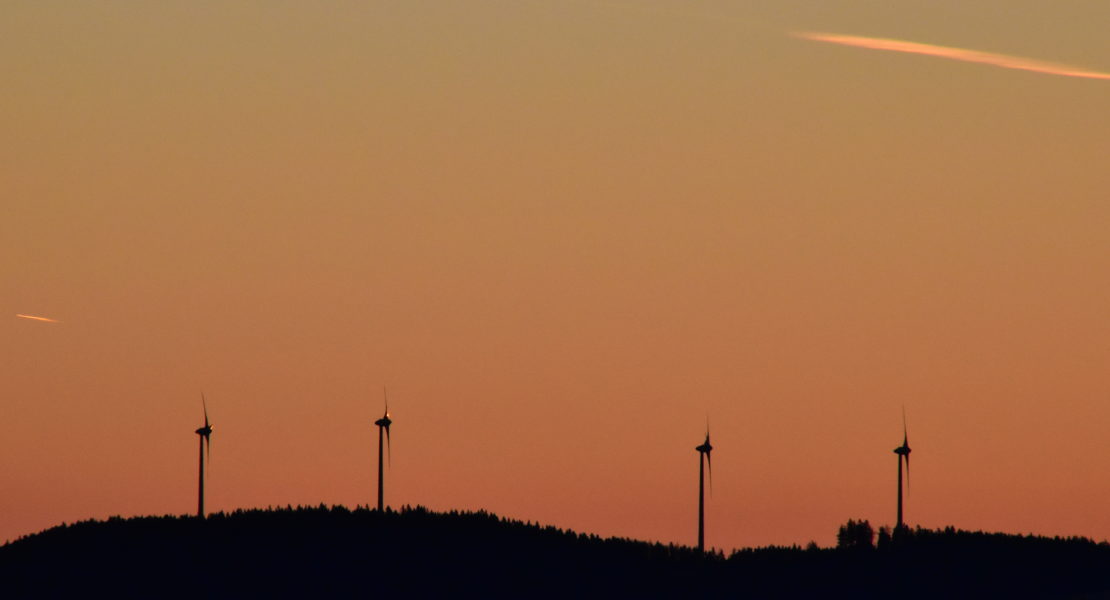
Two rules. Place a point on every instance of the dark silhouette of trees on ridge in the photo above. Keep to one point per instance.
(336, 551)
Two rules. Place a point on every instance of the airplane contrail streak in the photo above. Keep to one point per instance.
(999, 60)
(34, 318)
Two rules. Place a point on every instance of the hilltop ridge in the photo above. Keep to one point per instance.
(336, 551)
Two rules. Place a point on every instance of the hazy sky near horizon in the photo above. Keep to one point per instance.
(563, 234)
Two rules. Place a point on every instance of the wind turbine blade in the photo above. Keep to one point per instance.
(388, 448)
(385, 393)
(709, 461)
(907, 471)
(204, 403)
(905, 432)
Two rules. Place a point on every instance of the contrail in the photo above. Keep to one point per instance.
(34, 318)
(975, 56)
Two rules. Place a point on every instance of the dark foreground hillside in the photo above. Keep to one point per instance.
(312, 552)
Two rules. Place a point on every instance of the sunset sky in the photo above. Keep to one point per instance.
(564, 234)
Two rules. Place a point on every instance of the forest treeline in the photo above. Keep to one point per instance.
(336, 551)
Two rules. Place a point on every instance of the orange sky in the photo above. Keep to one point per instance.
(562, 234)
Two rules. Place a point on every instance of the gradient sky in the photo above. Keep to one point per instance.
(562, 233)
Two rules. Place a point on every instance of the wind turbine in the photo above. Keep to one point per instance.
(903, 452)
(703, 458)
(383, 425)
(205, 439)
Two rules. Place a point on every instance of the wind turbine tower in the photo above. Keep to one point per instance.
(383, 426)
(205, 440)
(704, 459)
(903, 453)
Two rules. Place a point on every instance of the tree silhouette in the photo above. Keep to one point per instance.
(855, 535)
(337, 551)
(884, 539)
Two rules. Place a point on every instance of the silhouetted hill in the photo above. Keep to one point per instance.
(312, 552)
